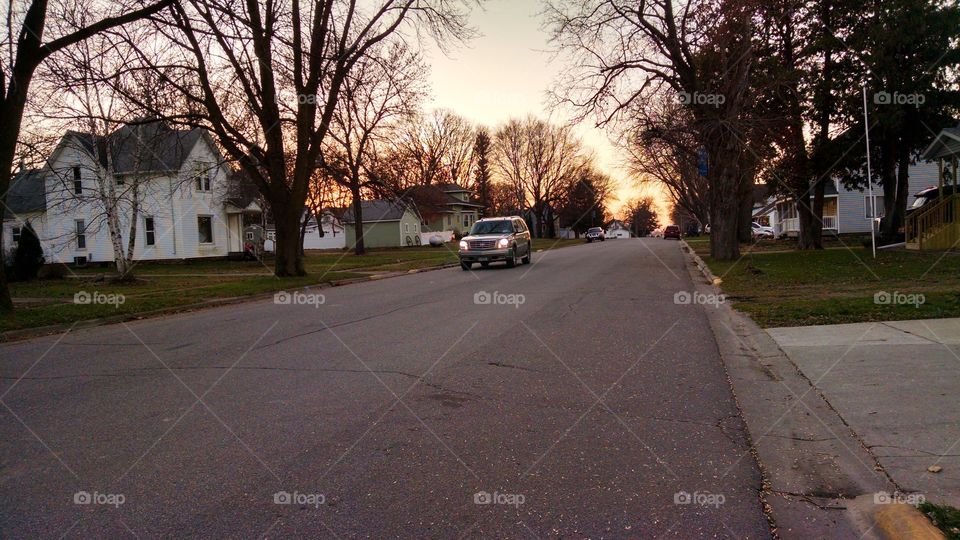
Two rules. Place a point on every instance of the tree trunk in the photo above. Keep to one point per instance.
(289, 262)
(132, 241)
(888, 178)
(303, 232)
(724, 177)
(358, 248)
(6, 302)
(899, 205)
(745, 214)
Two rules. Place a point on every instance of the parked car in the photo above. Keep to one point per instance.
(595, 233)
(496, 239)
(671, 231)
(761, 231)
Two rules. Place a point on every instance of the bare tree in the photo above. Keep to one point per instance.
(266, 79)
(384, 87)
(539, 160)
(662, 147)
(22, 50)
(625, 53)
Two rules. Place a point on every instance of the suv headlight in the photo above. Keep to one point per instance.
(463, 245)
(503, 242)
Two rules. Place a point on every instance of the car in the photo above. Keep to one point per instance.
(595, 233)
(671, 231)
(761, 231)
(495, 239)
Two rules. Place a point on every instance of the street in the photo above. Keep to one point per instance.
(572, 397)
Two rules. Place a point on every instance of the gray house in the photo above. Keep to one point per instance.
(845, 211)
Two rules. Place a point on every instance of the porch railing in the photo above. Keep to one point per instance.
(937, 227)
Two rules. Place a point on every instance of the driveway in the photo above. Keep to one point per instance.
(568, 398)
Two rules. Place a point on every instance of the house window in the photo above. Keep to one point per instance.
(249, 236)
(149, 231)
(205, 229)
(466, 220)
(202, 174)
(868, 211)
(406, 227)
(81, 234)
(15, 235)
(77, 182)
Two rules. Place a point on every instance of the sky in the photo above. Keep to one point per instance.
(506, 72)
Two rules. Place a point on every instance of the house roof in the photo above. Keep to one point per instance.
(450, 187)
(26, 193)
(945, 144)
(141, 147)
(378, 210)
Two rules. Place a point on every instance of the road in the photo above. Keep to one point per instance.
(582, 398)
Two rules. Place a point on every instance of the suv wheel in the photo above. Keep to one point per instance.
(526, 258)
(512, 257)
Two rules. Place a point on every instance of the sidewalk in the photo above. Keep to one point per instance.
(896, 385)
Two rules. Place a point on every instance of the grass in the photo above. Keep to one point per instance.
(164, 286)
(835, 286)
(946, 518)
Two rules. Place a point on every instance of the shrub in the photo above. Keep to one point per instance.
(28, 257)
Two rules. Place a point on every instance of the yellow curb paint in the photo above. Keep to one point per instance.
(904, 522)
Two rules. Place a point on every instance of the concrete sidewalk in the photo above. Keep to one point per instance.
(896, 384)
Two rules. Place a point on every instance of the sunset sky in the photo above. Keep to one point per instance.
(506, 73)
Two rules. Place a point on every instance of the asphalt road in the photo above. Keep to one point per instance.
(586, 407)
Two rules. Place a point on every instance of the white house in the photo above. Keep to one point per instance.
(186, 211)
(334, 236)
(616, 229)
(845, 211)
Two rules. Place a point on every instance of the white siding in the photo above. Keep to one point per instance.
(171, 200)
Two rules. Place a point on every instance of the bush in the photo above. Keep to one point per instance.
(53, 271)
(28, 257)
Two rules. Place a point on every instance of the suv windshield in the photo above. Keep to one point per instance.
(503, 226)
(594, 229)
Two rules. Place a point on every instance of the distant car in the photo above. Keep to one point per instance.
(595, 233)
(761, 231)
(671, 231)
(496, 239)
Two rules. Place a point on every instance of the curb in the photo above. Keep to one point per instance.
(892, 522)
(707, 273)
(904, 522)
(11, 336)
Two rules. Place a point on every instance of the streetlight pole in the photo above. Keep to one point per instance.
(873, 200)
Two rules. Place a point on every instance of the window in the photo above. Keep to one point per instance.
(81, 234)
(15, 235)
(466, 220)
(202, 173)
(77, 182)
(249, 236)
(150, 236)
(205, 229)
(867, 210)
(406, 227)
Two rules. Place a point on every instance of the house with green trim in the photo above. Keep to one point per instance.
(385, 224)
(446, 207)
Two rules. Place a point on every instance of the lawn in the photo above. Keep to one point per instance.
(165, 286)
(834, 286)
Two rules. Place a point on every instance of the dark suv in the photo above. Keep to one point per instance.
(671, 231)
(496, 239)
